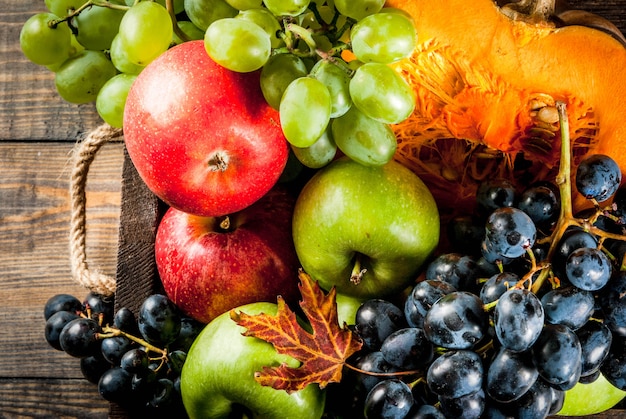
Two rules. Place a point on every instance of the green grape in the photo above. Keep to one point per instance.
(245, 4)
(279, 71)
(397, 10)
(43, 44)
(204, 12)
(145, 32)
(81, 77)
(337, 80)
(358, 9)
(383, 38)
(112, 98)
(364, 139)
(320, 153)
(305, 111)
(97, 26)
(237, 44)
(287, 7)
(75, 48)
(381, 93)
(63, 7)
(189, 29)
(265, 19)
(120, 60)
(179, 5)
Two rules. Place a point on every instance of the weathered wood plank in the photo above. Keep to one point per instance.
(50, 398)
(34, 255)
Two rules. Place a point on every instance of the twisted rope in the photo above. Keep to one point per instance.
(83, 155)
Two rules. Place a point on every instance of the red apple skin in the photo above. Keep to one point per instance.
(206, 271)
(184, 115)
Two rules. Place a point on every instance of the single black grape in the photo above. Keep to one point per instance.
(495, 193)
(542, 205)
(557, 355)
(389, 399)
(595, 342)
(100, 306)
(113, 348)
(535, 403)
(164, 394)
(376, 319)
(135, 361)
(497, 285)
(407, 349)
(458, 270)
(569, 306)
(125, 320)
(465, 232)
(510, 375)
(573, 238)
(456, 373)
(470, 406)
(189, 330)
(79, 337)
(598, 176)
(510, 232)
(55, 324)
(421, 299)
(588, 268)
(159, 320)
(62, 302)
(92, 368)
(518, 319)
(115, 385)
(456, 321)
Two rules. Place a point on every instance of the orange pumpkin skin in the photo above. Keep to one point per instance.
(482, 80)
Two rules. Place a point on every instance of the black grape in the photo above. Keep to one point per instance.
(598, 177)
(518, 319)
(376, 319)
(510, 375)
(79, 337)
(388, 399)
(159, 320)
(62, 302)
(456, 373)
(557, 355)
(569, 306)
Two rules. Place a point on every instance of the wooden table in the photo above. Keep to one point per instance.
(38, 131)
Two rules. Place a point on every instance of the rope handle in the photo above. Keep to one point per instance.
(83, 155)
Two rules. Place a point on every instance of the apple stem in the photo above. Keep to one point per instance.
(357, 272)
(218, 162)
(225, 223)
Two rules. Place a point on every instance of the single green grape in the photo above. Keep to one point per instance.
(245, 4)
(204, 12)
(334, 75)
(75, 48)
(189, 29)
(305, 111)
(358, 9)
(179, 5)
(383, 38)
(279, 71)
(97, 26)
(364, 139)
(111, 99)
(44, 44)
(287, 7)
(81, 77)
(381, 93)
(145, 32)
(318, 154)
(120, 59)
(237, 44)
(265, 19)
(63, 7)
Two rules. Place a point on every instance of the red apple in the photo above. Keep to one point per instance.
(209, 265)
(202, 138)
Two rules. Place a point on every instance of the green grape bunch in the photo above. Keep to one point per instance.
(323, 65)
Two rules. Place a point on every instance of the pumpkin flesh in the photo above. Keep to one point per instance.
(486, 87)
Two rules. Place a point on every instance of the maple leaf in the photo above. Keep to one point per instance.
(322, 352)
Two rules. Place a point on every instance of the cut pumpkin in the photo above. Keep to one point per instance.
(486, 85)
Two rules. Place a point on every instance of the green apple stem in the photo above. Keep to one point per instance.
(357, 272)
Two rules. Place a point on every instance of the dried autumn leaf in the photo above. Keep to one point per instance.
(322, 352)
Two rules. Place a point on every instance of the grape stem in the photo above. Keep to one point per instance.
(100, 3)
(169, 5)
(108, 332)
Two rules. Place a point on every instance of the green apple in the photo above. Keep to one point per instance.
(217, 380)
(592, 398)
(365, 229)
